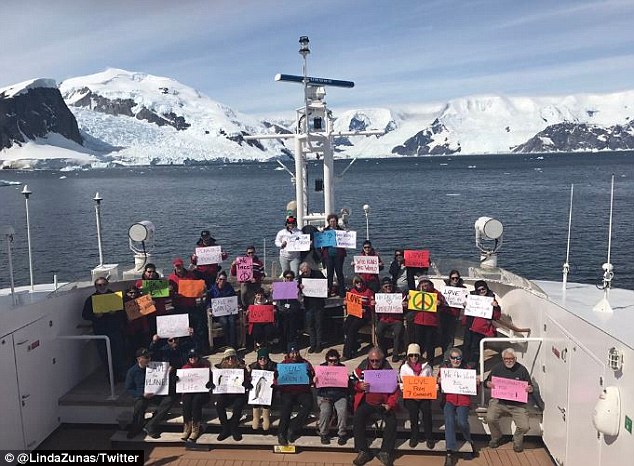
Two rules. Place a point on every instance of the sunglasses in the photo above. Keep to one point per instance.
(367, 247)
(456, 358)
(509, 359)
(289, 277)
(480, 290)
(250, 252)
(101, 284)
(413, 355)
(374, 360)
(332, 360)
(454, 278)
(222, 279)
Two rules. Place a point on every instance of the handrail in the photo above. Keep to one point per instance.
(108, 352)
(510, 340)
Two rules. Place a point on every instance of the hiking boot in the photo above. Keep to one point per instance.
(494, 443)
(255, 424)
(362, 458)
(449, 459)
(197, 431)
(325, 440)
(292, 436)
(413, 440)
(385, 458)
(342, 440)
(518, 447)
(266, 419)
(224, 435)
(151, 433)
(431, 443)
(282, 440)
(187, 430)
(237, 435)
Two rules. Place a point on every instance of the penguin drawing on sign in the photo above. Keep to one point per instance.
(259, 387)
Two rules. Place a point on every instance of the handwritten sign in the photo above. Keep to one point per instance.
(224, 306)
(354, 305)
(292, 374)
(156, 288)
(228, 381)
(346, 239)
(458, 381)
(261, 313)
(381, 381)
(325, 239)
(157, 378)
(455, 297)
(172, 326)
(315, 287)
(139, 307)
(192, 380)
(479, 306)
(331, 376)
(107, 302)
(285, 290)
(416, 258)
(298, 242)
(388, 303)
(419, 388)
(262, 391)
(209, 255)
(244, 268)
(366, 264)
(421, 301)
(191, 288)
(509, 389)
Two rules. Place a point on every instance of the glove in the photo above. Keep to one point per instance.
(210, 385)
(176, 378)
(247, 385)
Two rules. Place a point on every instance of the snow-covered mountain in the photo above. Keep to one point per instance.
(135, 118)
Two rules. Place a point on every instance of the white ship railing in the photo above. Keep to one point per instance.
(108, 352)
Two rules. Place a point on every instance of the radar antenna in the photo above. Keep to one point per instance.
(608, 268)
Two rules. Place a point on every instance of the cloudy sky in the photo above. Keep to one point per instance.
(397, 52)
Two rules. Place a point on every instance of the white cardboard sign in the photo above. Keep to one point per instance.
(388, 303)
(171, 326)
(455, 296)
(315, 287)
(192, 380)
(298, 242)
(209, 255)
(346, 239)
(224, 306)
(262, 391)
(479, 306)
(157, 378)
(228, 380)
(459, 381)
(366, 264)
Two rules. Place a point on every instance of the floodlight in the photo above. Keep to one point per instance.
(142, 231)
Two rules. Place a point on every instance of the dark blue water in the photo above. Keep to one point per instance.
(427, 203)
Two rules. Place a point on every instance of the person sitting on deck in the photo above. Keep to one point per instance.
(262, 332)
(369, 405)
(371, 279)
(450, 316)
(193, 403)
(235, 400)
(389, 321)
(294, 394)
(331, 399)
(223, 289)
(135, 386)
(352, 324)
(262, 412)
(289, 314)
(426, 323)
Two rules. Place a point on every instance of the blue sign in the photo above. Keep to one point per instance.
(292, 374)
(326, 239)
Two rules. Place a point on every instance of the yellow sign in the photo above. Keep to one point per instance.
(107, 302)
(421, 301)
(419, 388)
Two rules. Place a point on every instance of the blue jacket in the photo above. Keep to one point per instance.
(135, 381)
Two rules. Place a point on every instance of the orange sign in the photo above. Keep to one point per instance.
(354, 305)
(191, 288)
(419, 388)
(140, 307)
(416, 258)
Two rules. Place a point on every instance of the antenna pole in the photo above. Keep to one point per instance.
(27, 193)
(608, 269)
(567, 264)
(611, 210)
(98, 200)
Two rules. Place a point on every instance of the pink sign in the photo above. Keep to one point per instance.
(285, 290)
(331, 376)
(509, 389)
(244, 268)
(381, 381)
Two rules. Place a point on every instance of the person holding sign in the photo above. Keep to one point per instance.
(390, 321)
(137, 331)
(417, 367)
(313, 307)
(370, 405)
(332, 398)
(511, 402)
(235, 400)
(426, 320)
(477, 328)
(359, 308)
(398, 272)
(181, 304)
(293, 395)
(249, 285)
(289, 260)
(450, 316)
(223, 289)
(135, 386)
(371, 279)
(288, 312)
(104, 308)
(261, 319)
(262, 412)
(150, 277)
(456, 408)
(193, 402)
(206, 272)
(333, 258)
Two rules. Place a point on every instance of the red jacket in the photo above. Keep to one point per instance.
(178, 300)
(390, 318)
(454, 398)
(390, 399)
(371, 277)
(485, 326)
(430, 319)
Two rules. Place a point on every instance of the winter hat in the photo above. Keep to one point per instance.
(177, 261)
(228, 353)
(413, 348)
(263, 353)
(292, 347)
